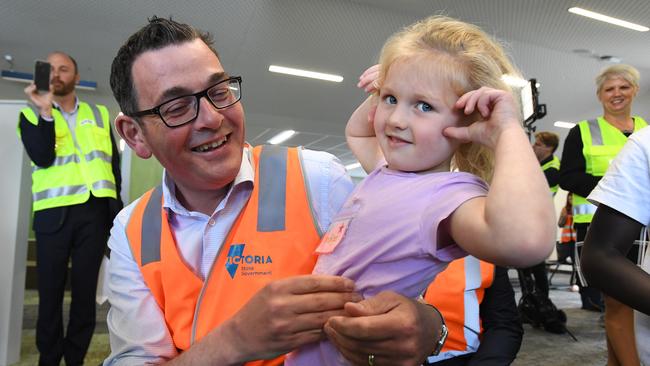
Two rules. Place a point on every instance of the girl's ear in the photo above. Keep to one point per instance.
(131, 131)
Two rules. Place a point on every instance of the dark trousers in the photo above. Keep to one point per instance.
(81, 238)
(592, 298)
(539, 284)
(566, 250)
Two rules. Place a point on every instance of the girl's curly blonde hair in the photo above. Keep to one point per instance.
(467, 58)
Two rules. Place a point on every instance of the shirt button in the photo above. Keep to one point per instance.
(211, 222)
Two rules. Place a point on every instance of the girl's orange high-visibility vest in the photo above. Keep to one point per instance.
(274, 237)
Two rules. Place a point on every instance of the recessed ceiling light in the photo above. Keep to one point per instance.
(563, 124)
(305, 73)
(608, 19)
(281, 137)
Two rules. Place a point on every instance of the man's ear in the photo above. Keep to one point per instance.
(131, 131)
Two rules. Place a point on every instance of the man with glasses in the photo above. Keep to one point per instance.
(75, 194)
(212, 266)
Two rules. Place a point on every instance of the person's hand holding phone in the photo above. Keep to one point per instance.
(39, 91)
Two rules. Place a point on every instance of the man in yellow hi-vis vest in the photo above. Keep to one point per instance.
(544, 146)
(75, 194)
(542, 311)
(588, 150)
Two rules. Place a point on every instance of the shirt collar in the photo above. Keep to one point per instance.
(246, 174)
(74, 110)
(549, 158)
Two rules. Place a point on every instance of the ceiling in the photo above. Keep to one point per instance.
(336, 36)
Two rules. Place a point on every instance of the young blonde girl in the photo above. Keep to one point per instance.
(439, 105)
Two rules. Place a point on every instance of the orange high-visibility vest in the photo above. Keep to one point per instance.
(457, 293)
(568, 234)
(274, 237)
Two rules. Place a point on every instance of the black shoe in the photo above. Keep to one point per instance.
(592, 299)
(556, 322)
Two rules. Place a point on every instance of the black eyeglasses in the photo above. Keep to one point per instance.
(182, 110)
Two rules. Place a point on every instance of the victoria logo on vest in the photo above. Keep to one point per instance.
(248, 262)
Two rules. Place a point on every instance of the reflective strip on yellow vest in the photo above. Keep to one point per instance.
(83, 163)
(601, 143)
(554, 163)
(274, 237)
(457, 293)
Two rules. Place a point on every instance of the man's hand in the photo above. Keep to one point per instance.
(42, 101)
(393, 328)
(287, 314)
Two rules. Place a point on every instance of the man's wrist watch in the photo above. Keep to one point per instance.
(441, 342)
(444, 332)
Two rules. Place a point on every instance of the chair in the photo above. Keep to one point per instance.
(553, 267)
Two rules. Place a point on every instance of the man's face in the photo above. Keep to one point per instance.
(63, 75)
(541, 151)
(177, 70)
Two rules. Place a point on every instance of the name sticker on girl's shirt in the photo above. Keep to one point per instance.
(333, 237)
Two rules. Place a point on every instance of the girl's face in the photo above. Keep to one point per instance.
(415, 106)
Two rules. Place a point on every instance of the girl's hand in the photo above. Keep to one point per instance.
(496, 112)
(359, 131)
(368, 80)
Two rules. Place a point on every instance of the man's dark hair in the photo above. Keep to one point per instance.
(159, 33)
(549, 139)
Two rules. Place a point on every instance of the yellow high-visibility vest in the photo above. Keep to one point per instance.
(601, 143)
(554, 163)
(82, 164)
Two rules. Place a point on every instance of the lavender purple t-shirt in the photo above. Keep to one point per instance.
(393, 239)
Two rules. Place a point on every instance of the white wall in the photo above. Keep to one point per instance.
(15, 191)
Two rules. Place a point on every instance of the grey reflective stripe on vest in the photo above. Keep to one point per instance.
(151, 226)
(309, 194)
(97, 154)
(73, 158)
(596, 134)
(59, 161)
(34, 109)
(273, 185)
(104, 184)
(98, 116)
(472, 327)
(584, 209)
(59, 191)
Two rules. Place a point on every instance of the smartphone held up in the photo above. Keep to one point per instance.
(42, 75)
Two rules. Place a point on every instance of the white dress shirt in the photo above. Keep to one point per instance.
(138, 333)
